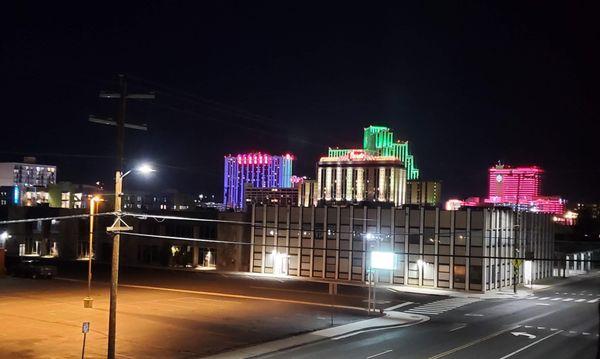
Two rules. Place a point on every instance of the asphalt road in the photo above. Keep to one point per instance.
(559, 322)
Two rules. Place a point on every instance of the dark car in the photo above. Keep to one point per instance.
(34, 269)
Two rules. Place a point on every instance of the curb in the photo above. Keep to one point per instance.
(244, 352)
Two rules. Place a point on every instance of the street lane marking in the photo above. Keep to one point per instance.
(457, 328)
(473, 315)
(529, 298)
(567, 299)
(593, 300)
(378, 354)
(530, 345)
(451, 351)
(544, 304)
(544, 298)
(367, 330)
(523, 334)
(580, 300)
(399, 305)
(555, 299)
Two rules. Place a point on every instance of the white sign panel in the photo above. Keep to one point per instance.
(383, 260)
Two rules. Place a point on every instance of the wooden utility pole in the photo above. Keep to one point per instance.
(123, 96)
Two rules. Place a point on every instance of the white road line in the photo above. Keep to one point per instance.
(572, 332)
(567, 299)
(593, 300)
(399, 305)
(454, 350)
(424, 312)
(580, 300)
(541, 328)
(553, 329)
(457, 328)
(529, 298)
(530, 345)
(545, 304)
(473, 315)
(585, 333)
(555, 299)
(376, 355)
(544, 298)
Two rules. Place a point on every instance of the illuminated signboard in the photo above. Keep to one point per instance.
(382, 260)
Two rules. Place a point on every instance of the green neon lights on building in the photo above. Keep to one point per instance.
(379, 141)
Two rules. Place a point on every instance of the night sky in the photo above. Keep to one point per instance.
(466, 84)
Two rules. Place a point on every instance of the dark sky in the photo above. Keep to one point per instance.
(466, 84)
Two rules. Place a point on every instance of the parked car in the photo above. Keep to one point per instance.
(34, 269)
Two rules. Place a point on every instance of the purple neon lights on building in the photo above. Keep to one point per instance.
(257, 169)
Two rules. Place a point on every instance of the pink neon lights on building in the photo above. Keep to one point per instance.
(513, 185)
(254, 158)
(521, 187)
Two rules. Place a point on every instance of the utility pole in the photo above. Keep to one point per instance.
(123, 96)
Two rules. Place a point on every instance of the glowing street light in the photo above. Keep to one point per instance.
(145, 169)
(118, 226)
(87, 301)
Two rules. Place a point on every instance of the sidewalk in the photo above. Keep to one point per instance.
(391, 319)
(522, 291)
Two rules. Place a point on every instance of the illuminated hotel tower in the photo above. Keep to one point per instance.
(514, 185)
(379, 141)
(359, 177)
(258, 169)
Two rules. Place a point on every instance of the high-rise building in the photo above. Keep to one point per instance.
(257, 169)
(521, 187)
(379, 141)
(514, 185)
(359, 177)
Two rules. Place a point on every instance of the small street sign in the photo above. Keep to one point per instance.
(85, 328)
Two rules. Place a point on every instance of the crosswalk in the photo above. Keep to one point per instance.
(441, 306)
(576, 299)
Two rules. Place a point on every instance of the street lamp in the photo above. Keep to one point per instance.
(118, 226)
(87, 301)
(4, 236)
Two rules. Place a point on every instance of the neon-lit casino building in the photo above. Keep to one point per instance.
(260, 170)
(521, 187)
(516, 187)
(376, 173)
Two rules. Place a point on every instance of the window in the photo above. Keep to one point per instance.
(459, 274)
(475, 274)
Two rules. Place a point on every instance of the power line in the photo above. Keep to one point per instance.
(54, 218)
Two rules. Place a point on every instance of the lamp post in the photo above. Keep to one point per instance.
(4, 236)
(118, 226)
(88, 301)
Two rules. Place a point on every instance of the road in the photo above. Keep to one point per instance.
(559, 322)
